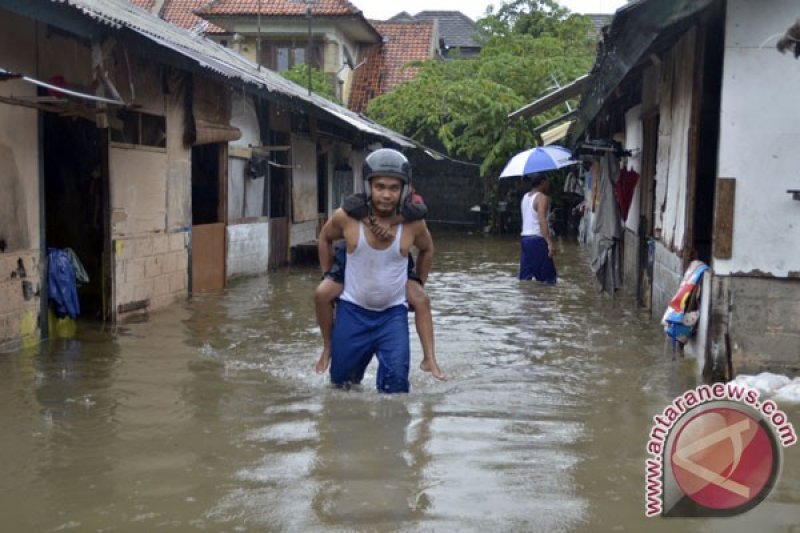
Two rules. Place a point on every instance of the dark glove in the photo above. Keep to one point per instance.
(411, 211)
(355, 205)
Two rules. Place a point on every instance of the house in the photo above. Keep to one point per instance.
(165, 161)
(457, 32)
(327, 34)
(706, 107)
(385, 65)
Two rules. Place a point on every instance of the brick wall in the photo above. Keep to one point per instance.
(248, 249)
(151, 272)
(19, 298)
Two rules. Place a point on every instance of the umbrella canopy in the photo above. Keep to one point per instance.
(539, 159)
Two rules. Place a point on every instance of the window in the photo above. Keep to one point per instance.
(133, 127)
(283, 55)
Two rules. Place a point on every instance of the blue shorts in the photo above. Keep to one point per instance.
(534, 262)
(359, 334)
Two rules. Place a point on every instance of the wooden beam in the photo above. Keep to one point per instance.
(723, 218)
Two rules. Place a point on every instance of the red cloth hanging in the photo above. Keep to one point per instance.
(623, 190)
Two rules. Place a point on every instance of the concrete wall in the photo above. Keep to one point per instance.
(19, 298)
(19, 162)
(152, 268)
(150, 200)
(667, 274)
(450, 189)
(763, 323)
(248, 249)
(759, 135)
(303, 232)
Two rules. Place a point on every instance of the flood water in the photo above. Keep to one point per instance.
(208, 416)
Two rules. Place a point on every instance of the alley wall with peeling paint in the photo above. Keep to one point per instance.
(19, 183)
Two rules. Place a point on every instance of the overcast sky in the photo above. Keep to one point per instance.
(384, 9)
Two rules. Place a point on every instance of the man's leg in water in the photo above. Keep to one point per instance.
(324, 296)
(423, 320)
(390, 329)
(352, 343)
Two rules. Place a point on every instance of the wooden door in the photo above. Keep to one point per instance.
(209, 179)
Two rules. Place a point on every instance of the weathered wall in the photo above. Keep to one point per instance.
(304, 179)
(19, 163)
(667, 274)
(248, 249)
(19, 298)
(303, 232)
(150, 200)
(759, 135)
(245, 194)
(676, 85)
(150, 270)
(20, 273)
(763, 324)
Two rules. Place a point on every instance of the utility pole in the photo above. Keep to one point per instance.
(309, 3)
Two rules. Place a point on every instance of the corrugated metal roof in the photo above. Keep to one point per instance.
(222, 61)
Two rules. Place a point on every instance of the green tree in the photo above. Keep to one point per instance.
(321, 84)
(463, 104)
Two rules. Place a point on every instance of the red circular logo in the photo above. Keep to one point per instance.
(724, 459)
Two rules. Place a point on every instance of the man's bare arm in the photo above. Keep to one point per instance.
(424, 243)
(333, 230)
(542, 207)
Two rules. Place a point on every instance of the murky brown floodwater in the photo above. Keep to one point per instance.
(208, 416)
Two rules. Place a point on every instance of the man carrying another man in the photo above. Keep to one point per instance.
(372, 313)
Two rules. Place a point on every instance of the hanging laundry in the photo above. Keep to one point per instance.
(683, 312)
(80, 273)
(623, 190)
(61, 285)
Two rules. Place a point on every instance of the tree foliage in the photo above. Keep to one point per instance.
(321, 84)
(463, 104)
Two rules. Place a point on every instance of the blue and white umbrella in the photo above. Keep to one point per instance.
(539, 159)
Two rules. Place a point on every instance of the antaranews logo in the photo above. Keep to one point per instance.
(716, 450)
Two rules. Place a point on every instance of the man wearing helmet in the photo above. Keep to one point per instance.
(372, 314)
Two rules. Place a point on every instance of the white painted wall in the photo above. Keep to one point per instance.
(245, 194)
(759, 138)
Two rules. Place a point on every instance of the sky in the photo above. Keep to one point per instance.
(383, 9)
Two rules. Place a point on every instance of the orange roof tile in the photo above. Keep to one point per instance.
(182, 13)
(383, 69)
(147, 5)
(279, 7)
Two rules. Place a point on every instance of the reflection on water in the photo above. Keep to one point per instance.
(208, 415)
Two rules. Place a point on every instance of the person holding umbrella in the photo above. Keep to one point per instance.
(536, 257)
(536, 244)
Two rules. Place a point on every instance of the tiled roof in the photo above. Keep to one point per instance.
(457, 29)
(147, 5)
(279, 7)
(182, 13)
(383, 69)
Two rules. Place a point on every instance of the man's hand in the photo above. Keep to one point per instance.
(383, 232)
(551, 251)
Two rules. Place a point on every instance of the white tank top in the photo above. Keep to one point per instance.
(376, 279)
(530, 218)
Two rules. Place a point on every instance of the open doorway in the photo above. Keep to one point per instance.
(75, 213)
(209, 177)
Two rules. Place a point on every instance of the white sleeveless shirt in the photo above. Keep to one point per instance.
(530, 218)
(376, 279)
